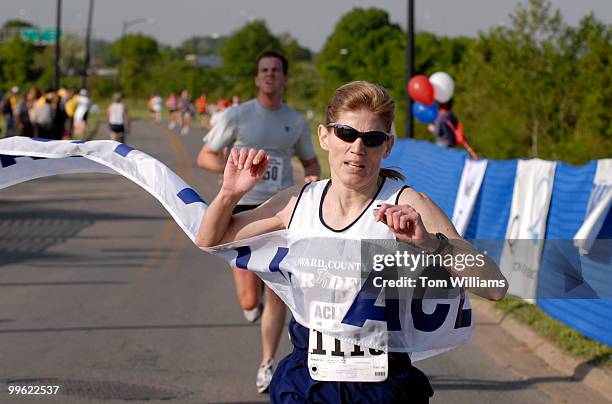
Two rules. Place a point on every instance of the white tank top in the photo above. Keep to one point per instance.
(115, 113)
(307, 217)
(307, 221)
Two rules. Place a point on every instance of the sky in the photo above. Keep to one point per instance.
(310, 21)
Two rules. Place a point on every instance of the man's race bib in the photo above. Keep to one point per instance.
(273, 178)
(334, 360)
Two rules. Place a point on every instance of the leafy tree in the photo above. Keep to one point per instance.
(364, 46)
(177, 75)
(589, 116)
(102, 53)
(73, 53)
(434, 53)
(538, 88)
(336, 62)
(202, 45)
(137, 53)
(16, 62)
(11, 28)
(8, 24)
(294, 52)
(303, 78)
(304, 83)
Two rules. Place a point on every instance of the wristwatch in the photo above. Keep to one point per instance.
(443, 245)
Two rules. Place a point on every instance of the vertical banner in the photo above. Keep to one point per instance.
(598, 207)
(520, 261)
(469, 187)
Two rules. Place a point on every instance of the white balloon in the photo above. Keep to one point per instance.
(444, 86)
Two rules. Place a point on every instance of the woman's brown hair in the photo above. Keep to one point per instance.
(358, 95)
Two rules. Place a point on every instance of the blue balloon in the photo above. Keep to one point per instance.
(424, 113)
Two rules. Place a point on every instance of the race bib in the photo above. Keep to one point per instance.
(334, 360)
(273, 178)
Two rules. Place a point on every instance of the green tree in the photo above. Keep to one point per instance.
(202, 45)
(304, 83)
(434, 53)
(303, 78)
(175, 75)
(16, 62)
(240, 52)
(8, 24)
(294, 52)
(538, 88)
(588, 116)
(137, 54)
(11, 28)
(364, 46)
(73, 53)
(102, 53)
(336, 62)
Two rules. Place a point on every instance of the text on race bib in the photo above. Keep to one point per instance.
(272, 180)
(331, 359)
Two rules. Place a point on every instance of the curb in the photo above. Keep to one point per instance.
(596, 378)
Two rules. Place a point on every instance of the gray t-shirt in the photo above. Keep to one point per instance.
(282, 133)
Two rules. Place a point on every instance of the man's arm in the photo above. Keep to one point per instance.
(213, 155)
(211, 160)
(312, 169)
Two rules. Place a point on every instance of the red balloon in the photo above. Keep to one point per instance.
(421, 90)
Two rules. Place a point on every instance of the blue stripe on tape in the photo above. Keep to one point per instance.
(281, 253)
(188, 195)
(244, 255)
(7, 161)
(123, 150)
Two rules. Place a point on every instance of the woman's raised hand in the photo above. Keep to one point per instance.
(244, 168)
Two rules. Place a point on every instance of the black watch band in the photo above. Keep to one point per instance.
(442, 246)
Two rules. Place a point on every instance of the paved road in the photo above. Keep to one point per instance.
(102, 294)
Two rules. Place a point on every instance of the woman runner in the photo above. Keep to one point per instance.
(360, 201)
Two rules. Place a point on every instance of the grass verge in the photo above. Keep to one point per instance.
(568, 339)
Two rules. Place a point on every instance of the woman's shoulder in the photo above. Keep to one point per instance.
(283, 203)
(433, 216)
(420, 201)
(410, 196)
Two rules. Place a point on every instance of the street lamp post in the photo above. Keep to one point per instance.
(58, 24)
(409, 66)
(124, 27)
(87, 45)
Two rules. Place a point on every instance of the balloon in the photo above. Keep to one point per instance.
(443, 85)
(424, 113)
(421, 90)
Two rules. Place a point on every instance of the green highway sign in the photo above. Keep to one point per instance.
(42, 36)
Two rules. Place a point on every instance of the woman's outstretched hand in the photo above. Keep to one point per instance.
(244, 168)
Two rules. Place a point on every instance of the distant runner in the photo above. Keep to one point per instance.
(118, 119)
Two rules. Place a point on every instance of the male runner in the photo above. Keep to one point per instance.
(263, 123)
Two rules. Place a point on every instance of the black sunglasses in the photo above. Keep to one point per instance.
(373, 138)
